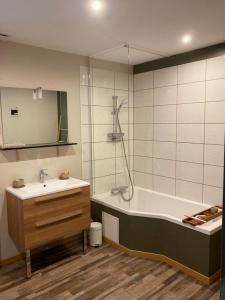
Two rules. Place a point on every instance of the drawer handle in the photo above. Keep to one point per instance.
(60, 195)
(57, 219)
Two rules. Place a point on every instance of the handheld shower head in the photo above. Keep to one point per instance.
(123, 102)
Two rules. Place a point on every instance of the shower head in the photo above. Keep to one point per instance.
(123, 102)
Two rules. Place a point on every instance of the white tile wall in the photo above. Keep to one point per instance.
(190, 133)
(165, 114)
(166, 150)
(164, 167)
(121, 81)
(143, 164)
(213, 175)
(101, 132)
(192, 92)
(213, 195)
(164, 185)
(86, 133)
(143, 148)
(178, 131)
(104, 167)
(190, 152)
(104, 184)
(103, 78)
(85, 115)
(214, 155)
(86, 152)
(165, 77)
(165, 132)
(143, 98)
(143, 132)
(189, 190)
(191, 113)
(215, 112)
(121, 165)
(192, 72)
(143, 115)
(165, 95)
(189, 116)
(215, 90)
(143, 180)
(86, 170)
(143, 81)
(189, 172)
(84, 95)
(214, 134)
(102, 115)
(104, 150)
(215, 68)
(102, 96)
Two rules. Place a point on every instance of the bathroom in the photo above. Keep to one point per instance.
(134, 127)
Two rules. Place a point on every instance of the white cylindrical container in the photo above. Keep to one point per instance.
(95, 234)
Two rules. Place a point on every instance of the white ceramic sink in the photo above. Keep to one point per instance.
(50, 186)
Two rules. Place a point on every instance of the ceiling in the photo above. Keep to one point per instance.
(155, 26)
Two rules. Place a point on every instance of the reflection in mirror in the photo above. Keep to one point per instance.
(31, 120)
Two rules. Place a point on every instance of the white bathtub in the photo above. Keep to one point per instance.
(148, 203)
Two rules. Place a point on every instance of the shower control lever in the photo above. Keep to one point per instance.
(119, 190)
(115, 136)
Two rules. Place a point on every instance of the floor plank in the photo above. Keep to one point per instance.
(103, 273)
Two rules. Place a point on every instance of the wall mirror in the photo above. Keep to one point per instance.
(32, 118)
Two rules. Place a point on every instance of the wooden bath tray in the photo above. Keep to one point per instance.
(208, 216)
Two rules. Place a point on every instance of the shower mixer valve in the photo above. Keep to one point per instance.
(119, 190)
(115, 136)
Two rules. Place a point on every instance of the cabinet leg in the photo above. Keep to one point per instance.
(28, 263)
(84, 241)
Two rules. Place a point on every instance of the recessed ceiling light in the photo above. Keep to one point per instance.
(186, 38)
(96, 5)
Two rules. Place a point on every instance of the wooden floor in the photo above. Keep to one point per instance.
(103, 273)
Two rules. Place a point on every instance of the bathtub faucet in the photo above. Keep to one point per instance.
(119, 190)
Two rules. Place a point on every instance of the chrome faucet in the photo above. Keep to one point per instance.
(43, 174)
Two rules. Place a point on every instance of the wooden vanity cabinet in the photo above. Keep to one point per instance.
(41, 220)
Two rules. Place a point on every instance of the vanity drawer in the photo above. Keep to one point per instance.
(55, 204)
(43, 230)
(56, 216)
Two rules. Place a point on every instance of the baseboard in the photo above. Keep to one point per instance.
(12, 260)
(204, 279)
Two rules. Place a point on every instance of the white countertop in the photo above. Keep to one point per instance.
(51, 186)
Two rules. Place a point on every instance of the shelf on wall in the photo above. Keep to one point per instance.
(30, 146)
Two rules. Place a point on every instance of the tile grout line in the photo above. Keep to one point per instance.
(153, 132)
(163, 176)
(92, 152)
(115, 145)
(204, 134)
(176, 150)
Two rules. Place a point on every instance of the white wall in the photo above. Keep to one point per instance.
(25, 66)
(37, 120)
(179, 122)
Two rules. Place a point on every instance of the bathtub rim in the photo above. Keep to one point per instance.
(209, 229)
